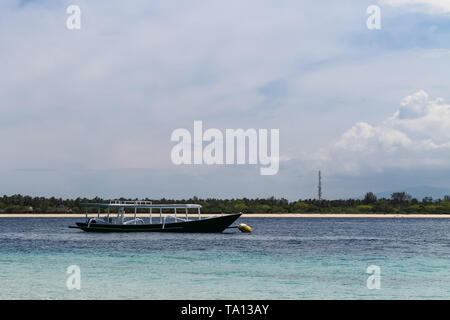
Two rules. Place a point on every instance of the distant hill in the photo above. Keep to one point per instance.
(419, 192)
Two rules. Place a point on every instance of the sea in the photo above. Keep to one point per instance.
(284, 258)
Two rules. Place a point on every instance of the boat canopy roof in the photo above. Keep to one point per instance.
(140, 204)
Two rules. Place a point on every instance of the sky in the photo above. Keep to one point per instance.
(90, 112)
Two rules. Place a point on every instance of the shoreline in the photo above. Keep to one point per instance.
(247, 215)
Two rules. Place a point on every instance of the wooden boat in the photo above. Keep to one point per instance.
(168, 223)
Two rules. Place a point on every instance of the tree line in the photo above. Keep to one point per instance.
(399, 202)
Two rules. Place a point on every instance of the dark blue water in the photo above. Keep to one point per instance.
(284, 258)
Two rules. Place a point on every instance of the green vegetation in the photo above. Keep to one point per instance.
(400, 202)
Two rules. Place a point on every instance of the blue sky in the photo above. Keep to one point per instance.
(90, 112)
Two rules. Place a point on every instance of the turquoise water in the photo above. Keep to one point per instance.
(285, 258)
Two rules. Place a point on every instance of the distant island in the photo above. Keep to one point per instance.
(397, 203)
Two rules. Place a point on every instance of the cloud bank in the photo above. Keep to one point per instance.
(415, 136)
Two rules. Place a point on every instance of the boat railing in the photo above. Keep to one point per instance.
(141, 205)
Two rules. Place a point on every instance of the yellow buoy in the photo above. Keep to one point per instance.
(244, 228)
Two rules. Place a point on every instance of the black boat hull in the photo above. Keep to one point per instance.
(207, 225)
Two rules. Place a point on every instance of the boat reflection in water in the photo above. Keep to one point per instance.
(113, 222)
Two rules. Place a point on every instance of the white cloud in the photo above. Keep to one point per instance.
(429, 6)
(416, 135)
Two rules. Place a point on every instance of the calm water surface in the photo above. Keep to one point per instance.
(285, 258)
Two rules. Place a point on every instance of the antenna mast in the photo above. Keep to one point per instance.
(320, 186)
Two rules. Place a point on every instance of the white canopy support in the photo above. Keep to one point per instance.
(147, 204)
(123, 205)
